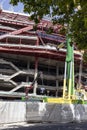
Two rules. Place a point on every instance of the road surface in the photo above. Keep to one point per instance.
(69, 126)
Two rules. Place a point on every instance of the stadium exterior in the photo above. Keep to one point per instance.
(24, 52)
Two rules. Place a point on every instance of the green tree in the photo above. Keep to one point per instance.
(72, 14)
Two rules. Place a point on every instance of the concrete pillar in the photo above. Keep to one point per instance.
(36, 69)
(35, 74)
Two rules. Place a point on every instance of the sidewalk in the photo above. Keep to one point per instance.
(15, 125)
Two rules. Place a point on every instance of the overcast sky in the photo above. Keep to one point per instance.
(6, 6)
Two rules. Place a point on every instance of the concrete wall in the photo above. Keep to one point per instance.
(11, 112)
(61, 113)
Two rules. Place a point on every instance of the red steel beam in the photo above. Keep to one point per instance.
(30, 27)
(14, 22)
(38, 52)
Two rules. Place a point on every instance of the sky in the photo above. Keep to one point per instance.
(4, 4)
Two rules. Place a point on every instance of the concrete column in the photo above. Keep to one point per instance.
(57, 82)
(35, 75)
(36, 70)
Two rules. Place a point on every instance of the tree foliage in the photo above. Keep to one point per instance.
(72, 14)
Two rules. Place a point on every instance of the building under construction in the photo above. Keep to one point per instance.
(26, 52)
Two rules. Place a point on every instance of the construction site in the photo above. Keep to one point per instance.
(25, 52)
(29, 61)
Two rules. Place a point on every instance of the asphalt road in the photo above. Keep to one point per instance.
(70, 126)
